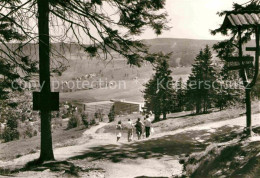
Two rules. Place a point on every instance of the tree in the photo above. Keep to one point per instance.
(227, 93)
(14, 65)
(159, 93)
(99, 115)
(86, 21)
(180, 95)
(10, 132)
(111, 114)
(256, 89)
(200, 85)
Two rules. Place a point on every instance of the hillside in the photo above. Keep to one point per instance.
(80, 67)
(183, 50)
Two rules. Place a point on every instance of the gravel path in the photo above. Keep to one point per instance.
(165, 166)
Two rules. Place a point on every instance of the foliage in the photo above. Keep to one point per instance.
(159, 93)
(14, 65)
(99, 115)
(229, 89)
(111, 114)
(93, 121)
(84, 118)
(180, 96)
(200, 85)
(256, 89)
(29, 132)
(90, 21)
(74, 121)
(10, 134)
(231, 46)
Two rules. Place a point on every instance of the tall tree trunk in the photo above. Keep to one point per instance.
(198, 106)
(248, 112)
(164, 115)
(46, 153)
(156, 117)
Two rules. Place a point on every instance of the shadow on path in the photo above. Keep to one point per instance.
(171, 145)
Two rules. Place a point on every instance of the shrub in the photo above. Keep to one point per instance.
(93, 122)
(99, 115)
(12, 122)
(29, 132)
(74, 121)
(57, 122)
(84, 118)
(10, 134)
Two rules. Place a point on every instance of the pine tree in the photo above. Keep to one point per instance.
(200, 89)
(180, 96)
(111, 114)
(14, 65)
(228, 90)
(158, 93)
(226, 95)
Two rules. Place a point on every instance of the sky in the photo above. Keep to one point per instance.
(193, 19)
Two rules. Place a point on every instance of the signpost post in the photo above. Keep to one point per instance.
(248, 20)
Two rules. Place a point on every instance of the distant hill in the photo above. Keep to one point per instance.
(183, 50)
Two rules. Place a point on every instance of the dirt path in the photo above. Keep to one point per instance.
(165, 166)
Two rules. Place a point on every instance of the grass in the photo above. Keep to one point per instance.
(113, 71)
(238, 158)
(185, 119)
(231, 160)
(61, 137)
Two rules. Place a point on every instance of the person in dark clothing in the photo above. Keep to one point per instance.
(139, 128)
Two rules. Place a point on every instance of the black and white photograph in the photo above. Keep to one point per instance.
(129, 88)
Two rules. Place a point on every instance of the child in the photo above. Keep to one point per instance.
(118, 130)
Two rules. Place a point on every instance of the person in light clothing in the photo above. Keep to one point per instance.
(147, 124)
(118, 131)
(130, 127)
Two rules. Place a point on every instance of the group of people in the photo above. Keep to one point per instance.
(142, 129)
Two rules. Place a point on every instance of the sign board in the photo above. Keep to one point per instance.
(239, 59)
(251, 49)
(53, 100)
(237, 63)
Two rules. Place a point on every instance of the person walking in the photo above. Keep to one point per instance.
(139, 127)
(129, 126)
(118, 131)
(147, 124)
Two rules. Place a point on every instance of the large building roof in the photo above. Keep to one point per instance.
(243, 18)
(98, 103)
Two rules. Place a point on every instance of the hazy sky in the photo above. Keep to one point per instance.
(194, 18)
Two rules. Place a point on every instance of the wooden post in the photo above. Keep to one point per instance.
(247, 90)
(46, 153)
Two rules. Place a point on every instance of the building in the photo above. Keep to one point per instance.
(93, 107)
(121, 107)
(127, 107)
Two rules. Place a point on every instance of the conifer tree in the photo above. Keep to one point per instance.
(159, 93)
(180, 95)
(200, 89)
